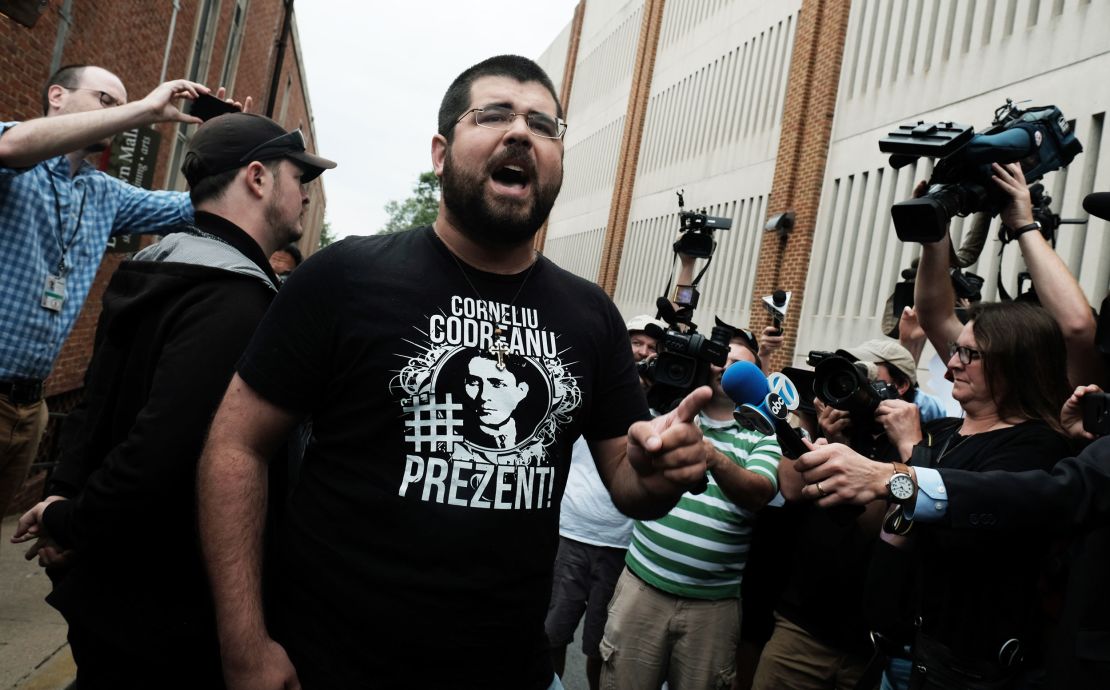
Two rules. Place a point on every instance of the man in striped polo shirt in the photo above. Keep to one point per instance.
(675, 614)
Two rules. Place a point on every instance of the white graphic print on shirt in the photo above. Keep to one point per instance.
(482, 408)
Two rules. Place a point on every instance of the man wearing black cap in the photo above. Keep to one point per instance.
(56, 214)
(176, 318)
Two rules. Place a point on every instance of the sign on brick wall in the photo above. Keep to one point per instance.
(26, 12)
(132, 159)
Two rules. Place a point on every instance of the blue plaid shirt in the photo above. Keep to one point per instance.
(31, 248)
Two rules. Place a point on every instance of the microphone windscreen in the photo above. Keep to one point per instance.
(1098, 204)
(778, 297)
(745, 383)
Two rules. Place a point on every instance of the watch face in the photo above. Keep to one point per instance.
(901, 487)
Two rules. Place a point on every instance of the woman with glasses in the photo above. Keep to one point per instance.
(974, 595)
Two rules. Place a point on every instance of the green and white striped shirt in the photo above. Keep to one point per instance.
(698, 550)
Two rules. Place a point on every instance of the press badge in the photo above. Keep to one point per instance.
(54, 293)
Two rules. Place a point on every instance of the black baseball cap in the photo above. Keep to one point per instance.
(234, 140)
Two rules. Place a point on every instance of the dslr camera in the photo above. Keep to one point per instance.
(1040, 138)
(853, 388)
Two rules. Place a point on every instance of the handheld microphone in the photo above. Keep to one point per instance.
(1098, 204)
(763, 406)
(776, 304)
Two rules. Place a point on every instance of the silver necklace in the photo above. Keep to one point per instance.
(499, 348)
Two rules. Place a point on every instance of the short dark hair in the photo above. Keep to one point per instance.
(1024, 359)
(457, 99)
(68, 76)
(213, 187)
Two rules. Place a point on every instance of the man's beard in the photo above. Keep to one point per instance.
(99, 147)
(512, 225)
(283, 232)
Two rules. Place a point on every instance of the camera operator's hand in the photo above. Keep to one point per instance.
(835, 474)
(770, 342)
(901, 421)
(835, 424)
(920, 189)
(1010, 179)
(910, 333)
(667, 453)
(1071, 414)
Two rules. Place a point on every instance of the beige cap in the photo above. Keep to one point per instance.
(886, 350)
(640, 323)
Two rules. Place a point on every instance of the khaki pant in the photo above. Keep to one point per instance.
(21, 428)
(794, 659)
(652, 636)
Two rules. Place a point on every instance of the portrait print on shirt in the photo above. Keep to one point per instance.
(483, 398)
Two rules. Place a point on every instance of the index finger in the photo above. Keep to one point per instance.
(688, 409)
(812, 458)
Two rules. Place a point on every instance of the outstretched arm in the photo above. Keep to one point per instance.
(1057, 288)
(34, 141)
(742, 486)
(933, 296)
(649, 470)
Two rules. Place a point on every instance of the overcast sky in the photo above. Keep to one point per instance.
(376, 74)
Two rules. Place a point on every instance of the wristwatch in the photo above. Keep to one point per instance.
(901, 487)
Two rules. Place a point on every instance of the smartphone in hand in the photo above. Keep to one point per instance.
(1096, 413)
(206, 107)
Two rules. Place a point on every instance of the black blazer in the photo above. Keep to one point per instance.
(1075, 495)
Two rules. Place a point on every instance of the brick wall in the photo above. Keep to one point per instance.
(631, 138)
(129, 38)
(800, 166)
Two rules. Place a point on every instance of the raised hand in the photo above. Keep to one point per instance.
(667, 453)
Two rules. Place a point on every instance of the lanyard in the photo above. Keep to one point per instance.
(65, 245)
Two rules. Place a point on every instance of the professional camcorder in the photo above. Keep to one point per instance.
(685, 354)
(684, 358)
(1040, 138)
(697, 231)
(853, 387)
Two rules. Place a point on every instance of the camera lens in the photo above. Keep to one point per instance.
(841, 385)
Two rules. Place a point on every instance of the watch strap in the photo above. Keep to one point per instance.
(1008, 234)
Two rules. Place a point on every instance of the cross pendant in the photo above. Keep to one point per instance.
(499, 348)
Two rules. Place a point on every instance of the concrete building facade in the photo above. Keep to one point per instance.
(756, 108)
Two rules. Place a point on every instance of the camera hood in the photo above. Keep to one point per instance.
(924, 219)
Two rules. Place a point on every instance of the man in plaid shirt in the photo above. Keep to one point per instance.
(56, 215)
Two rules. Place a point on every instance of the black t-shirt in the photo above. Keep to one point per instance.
(418, 546)
(979, 589)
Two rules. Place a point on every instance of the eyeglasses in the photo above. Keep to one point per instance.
(967, 354)
(106, 99)
(290, 141)
(496, 117)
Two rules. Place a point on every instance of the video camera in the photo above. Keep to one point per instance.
(684, 354)
(854, 388)
(1040, 138)
(697, 231)
(684, 358)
